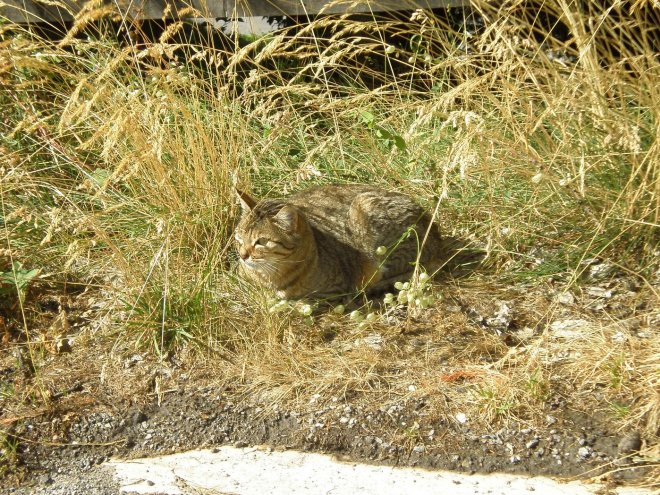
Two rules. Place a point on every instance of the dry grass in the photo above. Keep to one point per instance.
(118, 161)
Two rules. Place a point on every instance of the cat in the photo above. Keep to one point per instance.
(334, 240)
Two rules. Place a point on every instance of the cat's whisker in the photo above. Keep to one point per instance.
(266, 267)
(270, 269)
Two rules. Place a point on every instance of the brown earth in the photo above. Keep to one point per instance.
(95, 398)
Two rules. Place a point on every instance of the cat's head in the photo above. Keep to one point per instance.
(270, 237)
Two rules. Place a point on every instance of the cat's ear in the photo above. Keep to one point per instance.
(247, 202)
(287, 217)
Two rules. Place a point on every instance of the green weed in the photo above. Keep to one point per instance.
(15, 282)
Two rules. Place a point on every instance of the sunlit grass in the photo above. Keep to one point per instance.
(118, 162)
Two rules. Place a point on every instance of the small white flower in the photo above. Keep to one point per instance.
(389, 49)
(356, 315)
(371, 316)
(381, 250)
(339, 309)
(279, 306)
(306, 310)
(389, 298)
(537, 178)
(398, 285)
(423, 277)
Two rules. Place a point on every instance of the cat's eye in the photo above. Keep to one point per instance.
(263, 242)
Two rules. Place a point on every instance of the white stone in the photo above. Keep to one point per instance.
(569, 329)
(461, 418)
(250, 471)
(565, 298)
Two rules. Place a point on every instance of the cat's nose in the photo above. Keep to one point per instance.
(243, 254)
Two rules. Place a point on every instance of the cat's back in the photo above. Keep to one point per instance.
(326, 208)
(334, 203)
(330, 198)
(363, 217)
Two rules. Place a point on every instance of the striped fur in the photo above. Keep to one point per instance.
(323, 241)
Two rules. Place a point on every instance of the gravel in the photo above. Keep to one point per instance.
(570, 444)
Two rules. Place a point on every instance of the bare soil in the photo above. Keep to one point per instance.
(95, 399)
(66, 444)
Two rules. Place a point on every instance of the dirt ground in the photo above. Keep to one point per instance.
(71, 442)
(106, 401)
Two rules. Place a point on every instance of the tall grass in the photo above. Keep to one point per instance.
(119, 159)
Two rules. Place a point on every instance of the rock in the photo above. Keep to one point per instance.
(375, 341)
(565, 298)
(461, 418)
(600, 272)
(532, 444)
(585, 452)
(596, 270)
(569, 329)
(599, 292)
(502, 319)
(133, 360)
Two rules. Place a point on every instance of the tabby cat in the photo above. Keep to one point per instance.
(324, 241)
